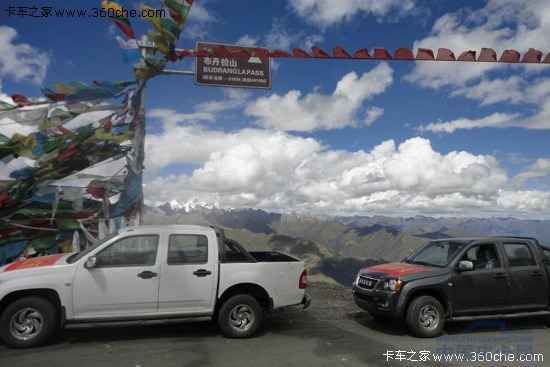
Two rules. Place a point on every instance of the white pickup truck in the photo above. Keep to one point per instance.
(148, 273)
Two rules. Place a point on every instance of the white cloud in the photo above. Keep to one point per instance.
(280, 37)
(173, 118)
(329, 12)
(296, 112)
(312, 40)
(200, 14)
(197, 24)
(500, 24)
(279, 171)
(194, 144)
(513, 90)
(260, 163)
(21, 61)
(495, 91)
(524, 201)
(247, 40)
(541, 168)
(496, 119)
(373, 114)
(3, 96)
(203, 112)
(541, 119)
(234, 98)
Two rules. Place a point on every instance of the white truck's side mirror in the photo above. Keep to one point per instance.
(91, 262)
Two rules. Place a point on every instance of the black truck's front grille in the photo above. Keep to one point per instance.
(366, 282)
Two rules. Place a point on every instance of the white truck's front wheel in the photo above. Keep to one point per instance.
(241, 316)
(28, 322)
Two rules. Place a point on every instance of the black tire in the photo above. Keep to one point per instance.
(240, 305)
(425, 317)
(37, 309)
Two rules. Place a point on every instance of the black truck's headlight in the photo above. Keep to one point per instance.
(393, 285)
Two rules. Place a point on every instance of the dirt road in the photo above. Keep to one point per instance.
(333, 332)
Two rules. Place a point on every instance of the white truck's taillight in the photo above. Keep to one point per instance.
(302, 283)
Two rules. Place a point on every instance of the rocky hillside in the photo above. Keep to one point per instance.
(335, 248)
(332, 251)
(428, 226)
(367, 242)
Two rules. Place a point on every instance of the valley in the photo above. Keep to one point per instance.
(335, 248)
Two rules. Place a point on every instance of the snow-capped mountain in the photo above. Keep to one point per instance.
(261, 221)
(175, 206)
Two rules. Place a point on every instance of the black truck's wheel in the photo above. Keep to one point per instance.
(241, 316)
(425, 317)
(28, 322)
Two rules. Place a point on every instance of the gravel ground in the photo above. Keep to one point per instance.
(333, 332)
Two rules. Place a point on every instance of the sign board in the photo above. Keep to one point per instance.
(251, 72)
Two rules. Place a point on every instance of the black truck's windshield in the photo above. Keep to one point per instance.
(437, 253)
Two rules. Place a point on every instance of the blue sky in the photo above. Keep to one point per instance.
(320, 153)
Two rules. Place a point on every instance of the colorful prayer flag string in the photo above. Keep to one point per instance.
(120, 17)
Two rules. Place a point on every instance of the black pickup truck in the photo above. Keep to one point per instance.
(459, 279)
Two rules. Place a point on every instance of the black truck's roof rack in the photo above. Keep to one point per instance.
(546, 247)
(519, 238)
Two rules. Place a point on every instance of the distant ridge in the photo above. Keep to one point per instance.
(335, 248)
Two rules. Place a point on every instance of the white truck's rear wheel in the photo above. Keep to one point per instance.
(241, 316)
(28, 322)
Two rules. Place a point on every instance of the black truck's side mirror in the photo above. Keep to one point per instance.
(465, 265)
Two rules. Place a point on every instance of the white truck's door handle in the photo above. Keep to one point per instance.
(202, 273)
(147, 275)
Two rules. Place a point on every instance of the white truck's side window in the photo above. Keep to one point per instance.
(187, 249)
(130, 251)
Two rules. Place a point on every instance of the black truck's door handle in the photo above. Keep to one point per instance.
(202, 273)
(536, 274)
(499, 276)
(147, 275)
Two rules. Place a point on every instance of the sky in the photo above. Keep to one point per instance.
(330, 137)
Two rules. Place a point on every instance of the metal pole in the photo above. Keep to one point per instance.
(151, 45)
(178, 72)
(140, 151)
(138, 155)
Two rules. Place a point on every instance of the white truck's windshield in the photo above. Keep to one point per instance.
(75, 257)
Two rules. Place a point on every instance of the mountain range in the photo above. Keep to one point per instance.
(335, 248)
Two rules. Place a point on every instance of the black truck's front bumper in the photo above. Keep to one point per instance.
(376, 302)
